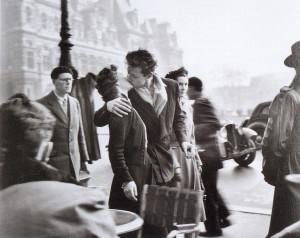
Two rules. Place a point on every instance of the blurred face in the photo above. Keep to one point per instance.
(192, 93)
(35, 136)
(183, 85)
(135, 77)
(63, 84)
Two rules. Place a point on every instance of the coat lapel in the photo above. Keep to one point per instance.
(56, 108)
(72, 111)
(146, 107)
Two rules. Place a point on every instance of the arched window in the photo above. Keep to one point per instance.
(47, 60)
(92, 64)
(83, 63)
(30, 59)
(56, 24)
(44, 21)
(28, 15)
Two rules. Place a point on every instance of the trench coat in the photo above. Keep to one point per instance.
(286, 204)
(82, 90)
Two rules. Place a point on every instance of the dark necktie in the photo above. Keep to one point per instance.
(65, 106)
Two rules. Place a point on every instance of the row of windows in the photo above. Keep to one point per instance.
(82, 62)
(45, 20)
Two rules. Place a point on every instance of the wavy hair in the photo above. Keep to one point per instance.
(143, 59)
(181, 72)
(22, 122)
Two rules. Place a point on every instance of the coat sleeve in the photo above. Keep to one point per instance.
(81, 141)
(101, 117)
(118, 128)
(179, 124)
(286, 121)
(205, 120)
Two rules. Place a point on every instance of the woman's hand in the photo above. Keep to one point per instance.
(130, 191)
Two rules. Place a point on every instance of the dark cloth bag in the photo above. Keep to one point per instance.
(270, 167)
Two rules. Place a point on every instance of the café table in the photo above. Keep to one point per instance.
(126, 221)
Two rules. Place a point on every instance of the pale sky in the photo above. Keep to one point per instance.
(230, 37)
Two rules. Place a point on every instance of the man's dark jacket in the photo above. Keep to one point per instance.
(159, 129)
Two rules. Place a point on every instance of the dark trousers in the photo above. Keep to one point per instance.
(215, 207)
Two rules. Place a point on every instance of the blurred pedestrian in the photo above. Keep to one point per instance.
(285, 124)
(186, 167)
(206, 125)
(69, 152)
(25, 130)
(127, 147)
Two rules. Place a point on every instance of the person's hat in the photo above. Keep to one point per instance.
(293, 60)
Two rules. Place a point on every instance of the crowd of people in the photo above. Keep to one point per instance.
(162, 132)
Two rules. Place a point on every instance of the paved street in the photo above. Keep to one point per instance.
(245, 188)
(246, 193)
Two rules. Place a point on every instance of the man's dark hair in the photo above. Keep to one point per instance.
(143, 59)
(60, 70)
(196, 83)
(181, 72)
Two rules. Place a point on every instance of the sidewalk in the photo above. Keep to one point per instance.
(247, 225)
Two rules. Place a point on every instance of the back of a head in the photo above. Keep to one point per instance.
(107, 83)
(21, 122)
(196, 83)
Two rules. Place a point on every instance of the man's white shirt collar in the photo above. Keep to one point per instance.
(60, 99)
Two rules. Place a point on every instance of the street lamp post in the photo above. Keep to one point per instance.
(65, 43)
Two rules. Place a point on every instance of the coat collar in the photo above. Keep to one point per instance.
(56, 109)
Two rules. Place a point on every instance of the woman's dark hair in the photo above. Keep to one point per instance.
(21, 122)
(196, 83)
(21, 96)
(143, 59)
(181, 72)
(106, 83)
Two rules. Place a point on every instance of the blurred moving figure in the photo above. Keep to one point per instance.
(282, 139)
(206, 125)
(127, 147)
(69, 152)
(52, 209)
(186, 167)
(25, 130)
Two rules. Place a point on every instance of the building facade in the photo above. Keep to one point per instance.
(103, 31)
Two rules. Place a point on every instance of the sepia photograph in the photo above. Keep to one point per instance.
(150, 119)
